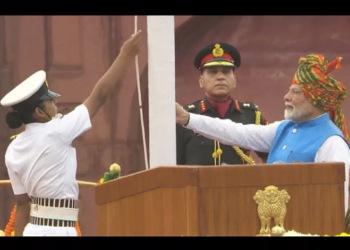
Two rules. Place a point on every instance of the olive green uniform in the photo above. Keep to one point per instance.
(194, 149)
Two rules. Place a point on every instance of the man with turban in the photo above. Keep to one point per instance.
(314, 128)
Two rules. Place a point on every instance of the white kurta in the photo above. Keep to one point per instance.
(261, 138)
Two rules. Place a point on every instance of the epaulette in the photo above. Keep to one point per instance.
(248, 105)
(253, 106)
(13, 137)
(193, 106)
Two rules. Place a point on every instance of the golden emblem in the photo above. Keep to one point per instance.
(218, 51)
(47, 84)
(271, 205)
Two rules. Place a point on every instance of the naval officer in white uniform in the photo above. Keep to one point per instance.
(41, 161)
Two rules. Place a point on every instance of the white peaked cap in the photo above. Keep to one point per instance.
(26, 89)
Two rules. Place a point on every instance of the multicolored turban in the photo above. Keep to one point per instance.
(322, 90)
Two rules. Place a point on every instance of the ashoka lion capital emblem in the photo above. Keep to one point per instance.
(271, 205)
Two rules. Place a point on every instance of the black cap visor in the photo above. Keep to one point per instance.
(49, 95)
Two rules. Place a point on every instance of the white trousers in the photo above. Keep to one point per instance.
(36, 230)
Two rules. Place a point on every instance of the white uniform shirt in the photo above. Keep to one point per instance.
(41, 160)
(261, 138)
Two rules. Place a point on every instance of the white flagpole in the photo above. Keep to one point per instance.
(161, 89)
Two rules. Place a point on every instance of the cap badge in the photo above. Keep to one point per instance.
(218, 51)
(47, 85)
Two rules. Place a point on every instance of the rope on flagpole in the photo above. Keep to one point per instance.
(140, 103)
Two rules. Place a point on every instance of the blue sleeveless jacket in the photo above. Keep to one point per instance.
(299, 142)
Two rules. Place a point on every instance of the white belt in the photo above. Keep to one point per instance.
(56, 213)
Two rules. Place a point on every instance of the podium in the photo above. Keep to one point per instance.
(218, 200)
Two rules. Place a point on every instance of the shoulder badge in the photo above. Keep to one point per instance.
(195, 107)
(13, 137)
(191, 106)
(249, 105)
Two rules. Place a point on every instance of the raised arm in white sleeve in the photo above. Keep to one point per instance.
(250, 136)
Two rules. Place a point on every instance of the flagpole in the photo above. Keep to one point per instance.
(161, 90)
